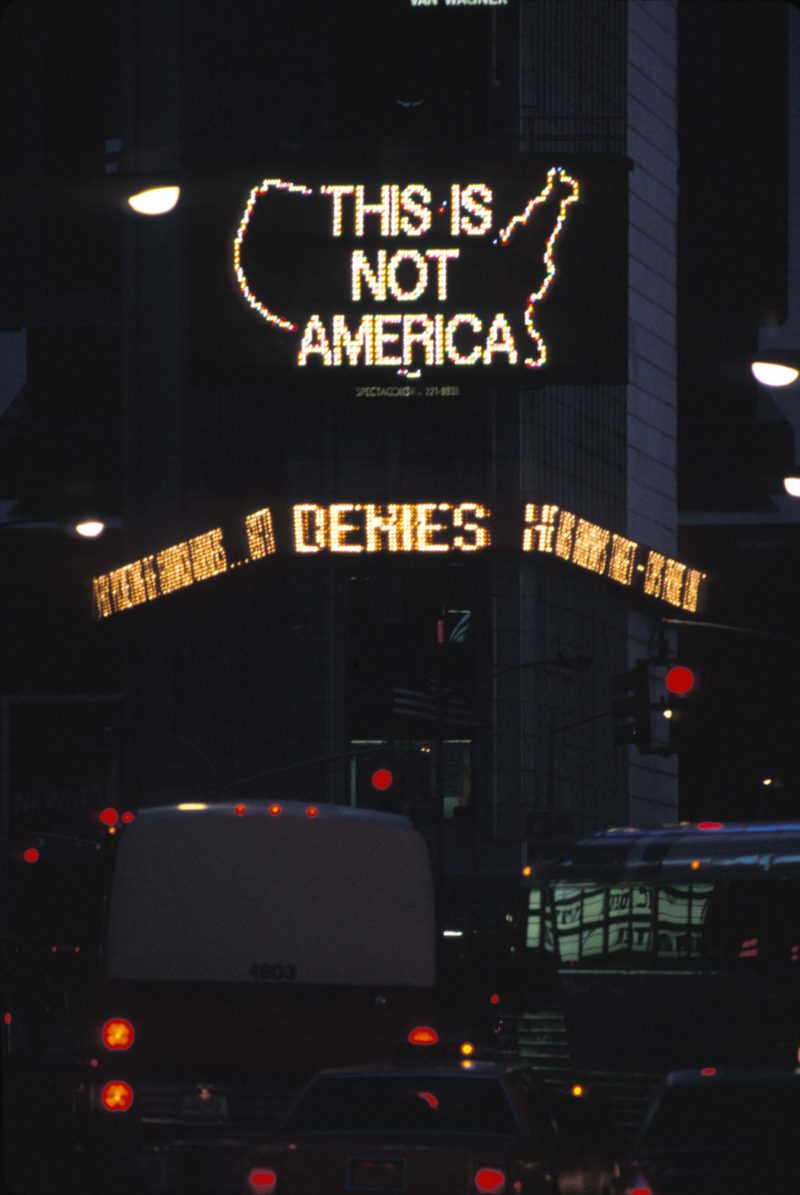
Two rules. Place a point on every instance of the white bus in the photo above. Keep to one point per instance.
(246, 946)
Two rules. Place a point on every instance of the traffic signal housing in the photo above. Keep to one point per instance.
(640, 708)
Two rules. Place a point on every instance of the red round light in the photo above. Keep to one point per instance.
(274, 810)
(423, 1035)
(709, 825)
(262, 1182)
(381, 779)
(488, 1179)
(679, 680)
(31, 855)
(494, 998)
(127, 817)
(240, 810)
(109, 817)
(7, 1018)
(312, 811)
(118, 1034)
(117, 1096)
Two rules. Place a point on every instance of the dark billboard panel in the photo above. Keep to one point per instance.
(505, 269)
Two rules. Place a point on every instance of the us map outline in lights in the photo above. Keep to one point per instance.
(387, 227)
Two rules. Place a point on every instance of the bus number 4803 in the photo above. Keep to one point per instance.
(274, 972)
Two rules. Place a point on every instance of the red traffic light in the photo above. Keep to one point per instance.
(381, 779)
(680, 680)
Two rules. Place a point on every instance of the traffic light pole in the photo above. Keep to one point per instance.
(552, 733)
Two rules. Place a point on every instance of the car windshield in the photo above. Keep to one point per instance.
(418, 1104)
(734, 1116)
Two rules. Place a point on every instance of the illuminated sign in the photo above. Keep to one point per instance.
(421, 528)
(509, 265)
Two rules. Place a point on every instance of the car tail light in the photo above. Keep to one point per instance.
(116, 1096)
(638, 1191)
(262, 1181)
(489, 1179)
(423, 1035)
(118, 1034)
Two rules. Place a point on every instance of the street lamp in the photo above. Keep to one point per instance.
(155, 201)
(776, 367)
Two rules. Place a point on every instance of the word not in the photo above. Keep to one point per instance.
(425, 528)
(550, 529)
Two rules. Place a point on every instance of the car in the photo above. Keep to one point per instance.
(471, 1126)
(718, 1132)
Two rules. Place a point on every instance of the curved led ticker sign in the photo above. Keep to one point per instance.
(420, 528)
(516, 264)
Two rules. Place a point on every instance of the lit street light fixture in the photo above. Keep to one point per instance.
(155, 201)
(777, 367)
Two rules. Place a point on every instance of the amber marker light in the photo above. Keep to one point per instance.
(467, 1048)
(117, 1096)
(118, 1034)
(577, 1090)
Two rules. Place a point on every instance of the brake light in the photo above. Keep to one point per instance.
(262, 1182)
(116, 1096)
(638, 1191)
(489, 1179)
(118, 1034)
(423, 1035)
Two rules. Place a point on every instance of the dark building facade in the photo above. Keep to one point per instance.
(381, 543)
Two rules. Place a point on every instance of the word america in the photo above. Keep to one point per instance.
(410, 527)
(410, 339)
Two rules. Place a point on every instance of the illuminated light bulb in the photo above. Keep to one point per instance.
(90, 528)
(155, 201)
(792, 486)
(771, 373)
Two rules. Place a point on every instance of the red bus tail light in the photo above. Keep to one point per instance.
(118, 1034)
(488, 1179)
(116, 1096)
(262, 1181)
(423, 1035)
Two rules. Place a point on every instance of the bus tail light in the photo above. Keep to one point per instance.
(423, 1035)
(489, 1180)
(262, 1181)
(116, 1096)
(118, 1034)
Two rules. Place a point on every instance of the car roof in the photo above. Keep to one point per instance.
(720, 1076)
(460, 1068)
